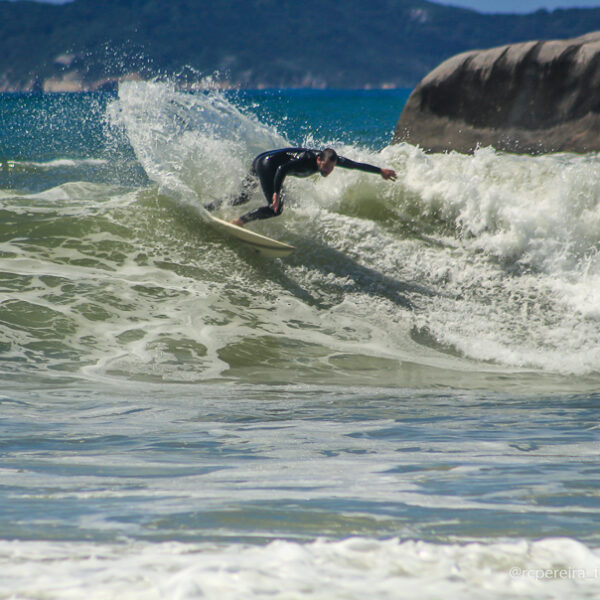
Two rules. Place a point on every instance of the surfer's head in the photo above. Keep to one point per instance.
(326, 160)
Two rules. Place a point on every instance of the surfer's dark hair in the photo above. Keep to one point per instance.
(328, 154)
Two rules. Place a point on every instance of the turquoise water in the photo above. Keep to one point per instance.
(405, 407)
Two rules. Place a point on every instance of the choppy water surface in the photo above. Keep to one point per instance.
(404, 407)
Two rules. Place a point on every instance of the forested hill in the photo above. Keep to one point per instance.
(353, 43)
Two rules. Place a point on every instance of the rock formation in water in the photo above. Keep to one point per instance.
(533, 97)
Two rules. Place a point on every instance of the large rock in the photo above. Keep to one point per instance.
(533, 97)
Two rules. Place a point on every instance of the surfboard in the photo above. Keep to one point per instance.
(260, 243)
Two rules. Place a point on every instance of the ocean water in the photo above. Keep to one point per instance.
(406, 407)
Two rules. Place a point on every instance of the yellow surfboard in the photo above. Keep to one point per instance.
(261, 243)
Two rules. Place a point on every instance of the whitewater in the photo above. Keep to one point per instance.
(405, 407)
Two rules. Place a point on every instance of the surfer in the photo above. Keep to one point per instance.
(272, 167)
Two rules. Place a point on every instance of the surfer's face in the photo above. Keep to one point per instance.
(325, 166)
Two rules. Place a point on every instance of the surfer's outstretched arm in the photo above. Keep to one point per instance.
(346, 163)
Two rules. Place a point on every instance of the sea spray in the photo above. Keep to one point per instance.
(190, 144)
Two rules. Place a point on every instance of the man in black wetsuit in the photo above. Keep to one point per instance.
(271, 168)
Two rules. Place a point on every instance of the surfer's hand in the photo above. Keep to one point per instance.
(388, 174)
(276, 204)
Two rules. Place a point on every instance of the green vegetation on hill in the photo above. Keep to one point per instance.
(258, 42)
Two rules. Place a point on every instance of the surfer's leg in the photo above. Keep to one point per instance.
(264, 212)
(249, 184)
(265, 175)
(258, 172)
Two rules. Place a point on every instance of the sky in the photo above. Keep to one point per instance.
(492, 6)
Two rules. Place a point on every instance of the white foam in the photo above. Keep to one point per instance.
(354, 568)
(517, 263)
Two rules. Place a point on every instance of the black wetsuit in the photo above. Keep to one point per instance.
(272, 167)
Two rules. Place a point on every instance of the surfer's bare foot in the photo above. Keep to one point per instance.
(237, 222)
